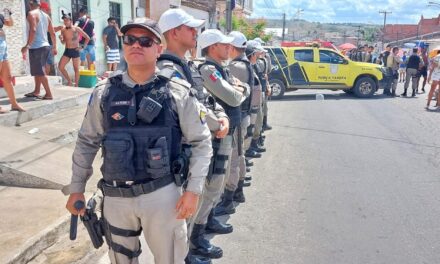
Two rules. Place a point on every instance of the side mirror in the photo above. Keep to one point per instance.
(345, 61)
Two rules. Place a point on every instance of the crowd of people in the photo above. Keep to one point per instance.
(166, 109)
(404, 67)
(77, 37)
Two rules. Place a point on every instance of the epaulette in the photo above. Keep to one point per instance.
(181, 82)
(166, 73)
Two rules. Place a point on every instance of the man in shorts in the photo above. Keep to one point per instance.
(70, 38)
(88, 26)
(38, 46)
(110, 38)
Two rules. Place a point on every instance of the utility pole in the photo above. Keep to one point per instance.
(384, 23)
(284, 26)
(229, 15)
(358, 35)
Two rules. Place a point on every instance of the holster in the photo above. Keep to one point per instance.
(218, 161)
(93, 225)
(180, 166)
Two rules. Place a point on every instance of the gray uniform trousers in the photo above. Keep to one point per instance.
(238, 163)
(156, 213)
(214, 187)
(259, 122)
(265, 109)
(411, 76)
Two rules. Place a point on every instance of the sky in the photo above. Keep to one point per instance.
(355, 11)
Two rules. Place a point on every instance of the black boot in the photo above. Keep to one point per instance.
(413, 93)
(192, 259)
(226, 206)
(199, 245)
(248, 178)
(404, 93)
(239, 194)
(265, 125)
(246, 183)
(261, 140)
(249, 163)
(250, 153)
(248, 169)
(254, 146)
(215, 226)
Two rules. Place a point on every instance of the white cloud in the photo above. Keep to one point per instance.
(403, 11)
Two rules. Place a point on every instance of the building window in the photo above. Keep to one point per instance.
(76, 6)
(115, 11)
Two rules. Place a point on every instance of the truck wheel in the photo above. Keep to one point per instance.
(365, 87)
(278, 89)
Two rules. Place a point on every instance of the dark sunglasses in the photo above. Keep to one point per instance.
(145, 42)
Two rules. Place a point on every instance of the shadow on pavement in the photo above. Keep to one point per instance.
(336, 96)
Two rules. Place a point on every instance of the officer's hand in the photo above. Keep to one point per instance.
(71, 201)
(224, 127)
(187, 205)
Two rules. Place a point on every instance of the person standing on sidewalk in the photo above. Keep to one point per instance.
(412, 70)
(143, 194)
(70, 38)
(110, 38)
(5, 68)
(180, 31)
(87, 54)
(38, 46)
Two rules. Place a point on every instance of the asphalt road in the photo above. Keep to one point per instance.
(344, 180)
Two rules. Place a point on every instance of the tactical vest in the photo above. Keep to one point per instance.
(246, 105)
(192, 75)
(136, 149)
(234, 113)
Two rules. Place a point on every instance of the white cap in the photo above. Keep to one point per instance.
(175, 17)
(239, 39)
(252, 44)
(212, 36)
(260, 41)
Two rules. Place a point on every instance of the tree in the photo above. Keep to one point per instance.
(250, 29)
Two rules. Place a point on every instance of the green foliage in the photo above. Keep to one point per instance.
(250, 29)
(370, 34)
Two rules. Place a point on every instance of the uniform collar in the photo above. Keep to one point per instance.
(213, 61)
(242, 56)
(126, 79)
(169, 52)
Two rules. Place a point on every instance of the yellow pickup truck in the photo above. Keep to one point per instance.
(320, 68)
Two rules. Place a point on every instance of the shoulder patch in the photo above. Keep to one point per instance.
(181, 81)
(215, 76)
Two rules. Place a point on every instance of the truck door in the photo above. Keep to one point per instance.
(302, 69)
(332, 69)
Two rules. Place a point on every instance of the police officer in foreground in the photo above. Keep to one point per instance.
(139, 118)
(241, 68)
(228, 90)
(180, 32)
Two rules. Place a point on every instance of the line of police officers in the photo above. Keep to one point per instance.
(148, 118)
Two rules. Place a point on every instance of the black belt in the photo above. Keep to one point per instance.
(135, 189)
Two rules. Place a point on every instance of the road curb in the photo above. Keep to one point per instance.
(46, 238)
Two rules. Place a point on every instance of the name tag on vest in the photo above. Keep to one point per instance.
(120, 103)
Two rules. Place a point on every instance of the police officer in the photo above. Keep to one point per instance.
(139, 118)
(267, 62)
(241, 68)
(180, 32)
(228, 91)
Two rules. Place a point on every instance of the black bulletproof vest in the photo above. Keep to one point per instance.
(246, 105)
(134, 150)
(192, 75)
(234, 113)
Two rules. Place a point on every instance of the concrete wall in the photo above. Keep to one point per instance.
(15, 35)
